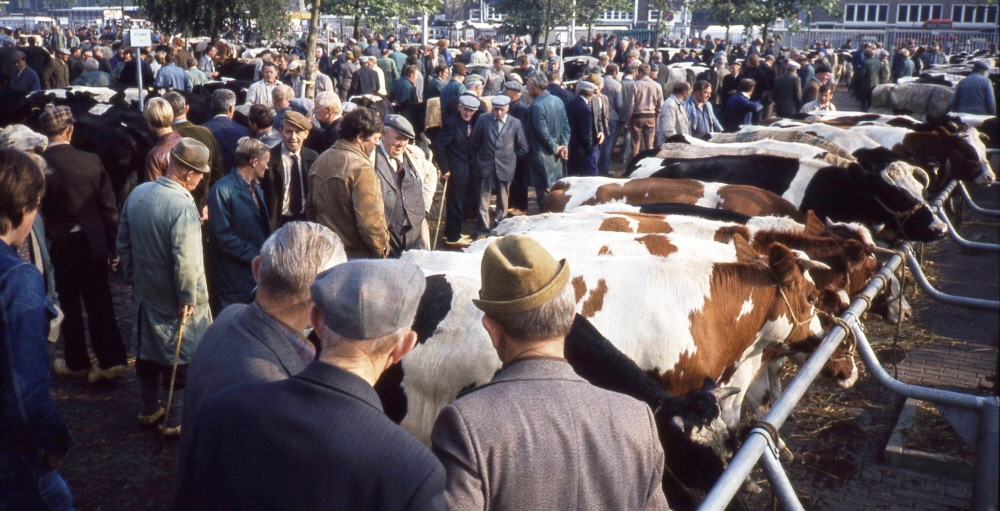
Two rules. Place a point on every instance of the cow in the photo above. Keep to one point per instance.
(747, 306)
(571, 192)
(782, 136)
(848, 118)
(850, 141)
(960, 147)
(889, 198)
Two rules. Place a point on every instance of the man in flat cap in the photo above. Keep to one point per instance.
(320, 439)
(160, 246)
(497, 142)
(285, 183)
(516, 443)
(365, 80)
(455, 158)
(408, 182)
(81, 221)
(453, 89)
(588, 123)
(514, 91)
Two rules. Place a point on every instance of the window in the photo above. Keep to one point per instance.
(918, 13)
(654, 15)
(866, 13)
(616, 16)
(475, 15)
(977, 14)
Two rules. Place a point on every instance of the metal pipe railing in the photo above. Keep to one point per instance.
(925, 285)
(973, 206)
(749, 454)
(987, 448)
(962, 242)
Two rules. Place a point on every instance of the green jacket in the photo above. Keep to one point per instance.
(868, 74)
(546, 127)
(159, 242)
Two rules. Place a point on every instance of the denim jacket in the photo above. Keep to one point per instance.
(28, 417)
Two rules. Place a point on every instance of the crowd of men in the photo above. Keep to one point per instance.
(267, 297)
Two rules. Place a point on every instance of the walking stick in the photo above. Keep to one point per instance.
(437, 230)
(177, 358)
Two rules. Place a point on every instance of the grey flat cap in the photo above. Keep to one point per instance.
(467, 101)
(473, 80)
(512, 85)
(585, 85)
(500, 101)
(400, 124)
(368, 298)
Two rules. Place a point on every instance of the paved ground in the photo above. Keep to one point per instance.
(837, 436)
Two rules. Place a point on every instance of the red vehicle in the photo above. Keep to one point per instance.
(941, 24)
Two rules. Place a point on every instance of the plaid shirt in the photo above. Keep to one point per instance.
(303, 348)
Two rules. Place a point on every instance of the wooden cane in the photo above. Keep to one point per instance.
(437, 230)
(177, 358)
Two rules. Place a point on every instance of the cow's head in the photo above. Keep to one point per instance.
(793, 317)
(897, 202)
(967, 156)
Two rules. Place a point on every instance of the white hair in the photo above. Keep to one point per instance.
(20, 137)
(292, 257)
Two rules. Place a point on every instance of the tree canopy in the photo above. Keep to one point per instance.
(212, 17)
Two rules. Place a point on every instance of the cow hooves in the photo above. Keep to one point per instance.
(751, 487)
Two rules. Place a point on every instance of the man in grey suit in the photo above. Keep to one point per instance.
(402, 187)
(320, 439)
(497, 142)
(538, 436)
(263, 341)
(612, 93)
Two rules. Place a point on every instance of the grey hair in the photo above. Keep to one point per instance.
(375, 346)
(538, 77)
(22, 138)
(329, 99)
(292, 257)
(249, 149)
(551, 319)
(91, 65)
(223, 100)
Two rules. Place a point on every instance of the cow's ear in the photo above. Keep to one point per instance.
(744, 252)
(782, 263)
(814, 226)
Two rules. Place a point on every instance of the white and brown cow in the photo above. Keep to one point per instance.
(703, 320)
(572, 192)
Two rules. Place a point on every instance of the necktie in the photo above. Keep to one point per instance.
(295, 189)
(468, 130)
(253, 193)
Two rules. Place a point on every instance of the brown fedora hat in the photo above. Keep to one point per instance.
(191, 154)
(518, 275)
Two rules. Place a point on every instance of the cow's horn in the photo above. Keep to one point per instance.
(883, 251)
(809, 264)
(677, 423)
(921, 175)
(724, 392)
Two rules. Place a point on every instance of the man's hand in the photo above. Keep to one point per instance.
(562, 152)
(445, 176)
(204, 214)
(185, 312)
(600, 138)
(113, 262)
(52, 461)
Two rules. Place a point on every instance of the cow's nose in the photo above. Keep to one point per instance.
(940, 230)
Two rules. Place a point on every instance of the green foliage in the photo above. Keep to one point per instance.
(377, 14)
(588, 12)
(211, 17)
(534, 17)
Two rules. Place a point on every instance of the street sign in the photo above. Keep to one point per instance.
(140, 37)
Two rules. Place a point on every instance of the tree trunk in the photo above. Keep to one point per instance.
(311, 41)
(763, 34)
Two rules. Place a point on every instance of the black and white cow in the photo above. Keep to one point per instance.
(891, 197)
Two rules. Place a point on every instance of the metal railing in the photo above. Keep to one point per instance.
(977, 417)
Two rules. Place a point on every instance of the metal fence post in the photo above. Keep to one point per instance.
(987, 470)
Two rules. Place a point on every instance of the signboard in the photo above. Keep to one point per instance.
(470, 34)
(64, 21)
(140, 37)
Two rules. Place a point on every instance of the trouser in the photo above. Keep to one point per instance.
(80, 275)
(27, 485)
(604, 162)
(643, 133)
(865, 96)
(517, 197)
(455, 206)
(154, 376)
(486, 185)
(586, 166)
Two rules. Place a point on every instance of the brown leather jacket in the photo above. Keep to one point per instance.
(158, 158)
(345, 195)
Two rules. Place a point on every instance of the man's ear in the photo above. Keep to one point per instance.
(403, 347)
(316, 320)
(255, 267)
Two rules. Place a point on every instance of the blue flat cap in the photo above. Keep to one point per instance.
(400, 124)
(500, 101)
(368, 298)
